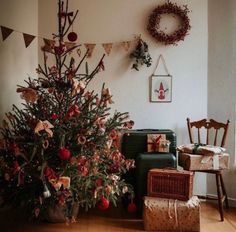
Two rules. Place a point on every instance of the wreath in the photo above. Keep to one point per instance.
(155, 18)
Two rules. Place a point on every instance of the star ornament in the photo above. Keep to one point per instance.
(44, 125)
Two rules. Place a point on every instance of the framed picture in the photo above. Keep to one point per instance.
(161, 88)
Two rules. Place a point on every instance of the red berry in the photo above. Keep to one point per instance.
(103, 204)
(131, 208)
(64, 153)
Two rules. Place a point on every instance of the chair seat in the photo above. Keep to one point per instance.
(193, 162)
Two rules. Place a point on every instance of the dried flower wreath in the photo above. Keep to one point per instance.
(155, 18)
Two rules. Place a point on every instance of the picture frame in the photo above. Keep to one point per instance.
(161, 88)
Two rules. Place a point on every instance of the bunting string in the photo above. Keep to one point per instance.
(49, 43)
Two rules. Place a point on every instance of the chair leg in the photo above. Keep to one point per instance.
(219, 194)
(224, 191)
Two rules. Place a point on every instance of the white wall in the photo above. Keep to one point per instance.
(17, 62)
(221, 76)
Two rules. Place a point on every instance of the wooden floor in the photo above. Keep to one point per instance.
(115, 220)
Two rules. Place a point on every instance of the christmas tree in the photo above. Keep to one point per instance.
(61, 148)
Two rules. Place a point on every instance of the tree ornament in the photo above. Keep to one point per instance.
(132, 208)
(59, 50)
(46, 192)
(54, 116)
(103, 204)
(16, 167)
(13, 147)
(64, 153)
(72, 36)
(155, 18)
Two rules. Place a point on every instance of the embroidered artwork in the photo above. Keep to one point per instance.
(161, 86)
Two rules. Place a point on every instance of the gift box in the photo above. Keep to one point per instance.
(162, 214)
(157, 143)
(194, 162)
(174, 184)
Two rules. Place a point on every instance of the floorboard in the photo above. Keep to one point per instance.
(114, 220)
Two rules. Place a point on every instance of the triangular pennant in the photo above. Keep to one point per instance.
(48, 45)
(69, 45)
(90, 48)
(126, 45)
(28, 39)
(5, 32)
(107, 47)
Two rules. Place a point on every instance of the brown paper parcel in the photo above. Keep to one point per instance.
(193, 162)
(157, 143)
(161, 214)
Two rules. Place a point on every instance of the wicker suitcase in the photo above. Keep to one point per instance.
(172, 184)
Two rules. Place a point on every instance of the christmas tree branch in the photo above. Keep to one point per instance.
(95, 71)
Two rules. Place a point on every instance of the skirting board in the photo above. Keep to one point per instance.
(232, 201)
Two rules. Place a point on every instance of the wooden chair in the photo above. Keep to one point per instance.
(212, 129)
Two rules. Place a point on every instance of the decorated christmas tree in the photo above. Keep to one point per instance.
(61, 148)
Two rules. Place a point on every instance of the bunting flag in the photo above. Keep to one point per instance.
(90, 48)
(126, 45)
(107, 47)
(69, 45)
(48, 45)
(28, 39)
(5, 32)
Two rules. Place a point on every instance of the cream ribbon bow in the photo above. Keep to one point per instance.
(44, 125)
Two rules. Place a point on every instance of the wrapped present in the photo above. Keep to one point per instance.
(167, 183)
(157, 143)
(162, 214)
(193, 162)
(201, 149)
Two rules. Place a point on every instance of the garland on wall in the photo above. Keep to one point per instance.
(49, 43)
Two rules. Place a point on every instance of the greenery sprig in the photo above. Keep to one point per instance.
(141, 55)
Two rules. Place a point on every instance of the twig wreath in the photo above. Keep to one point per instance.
(155, 18)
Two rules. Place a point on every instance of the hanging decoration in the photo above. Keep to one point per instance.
(72, 37)
(90, 48)
(126, 45)
(28, 39)
(5, 32)
(107, 47)
(161, 85)
(141, 55)
(48, 45)
(179, 34)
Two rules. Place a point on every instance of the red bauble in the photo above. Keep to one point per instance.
(72, 36)
(64, 153)
(131, 208)
(54, 116)
(103, 204)
(13, 147)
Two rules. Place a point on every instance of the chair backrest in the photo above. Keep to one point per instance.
(211, 129)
